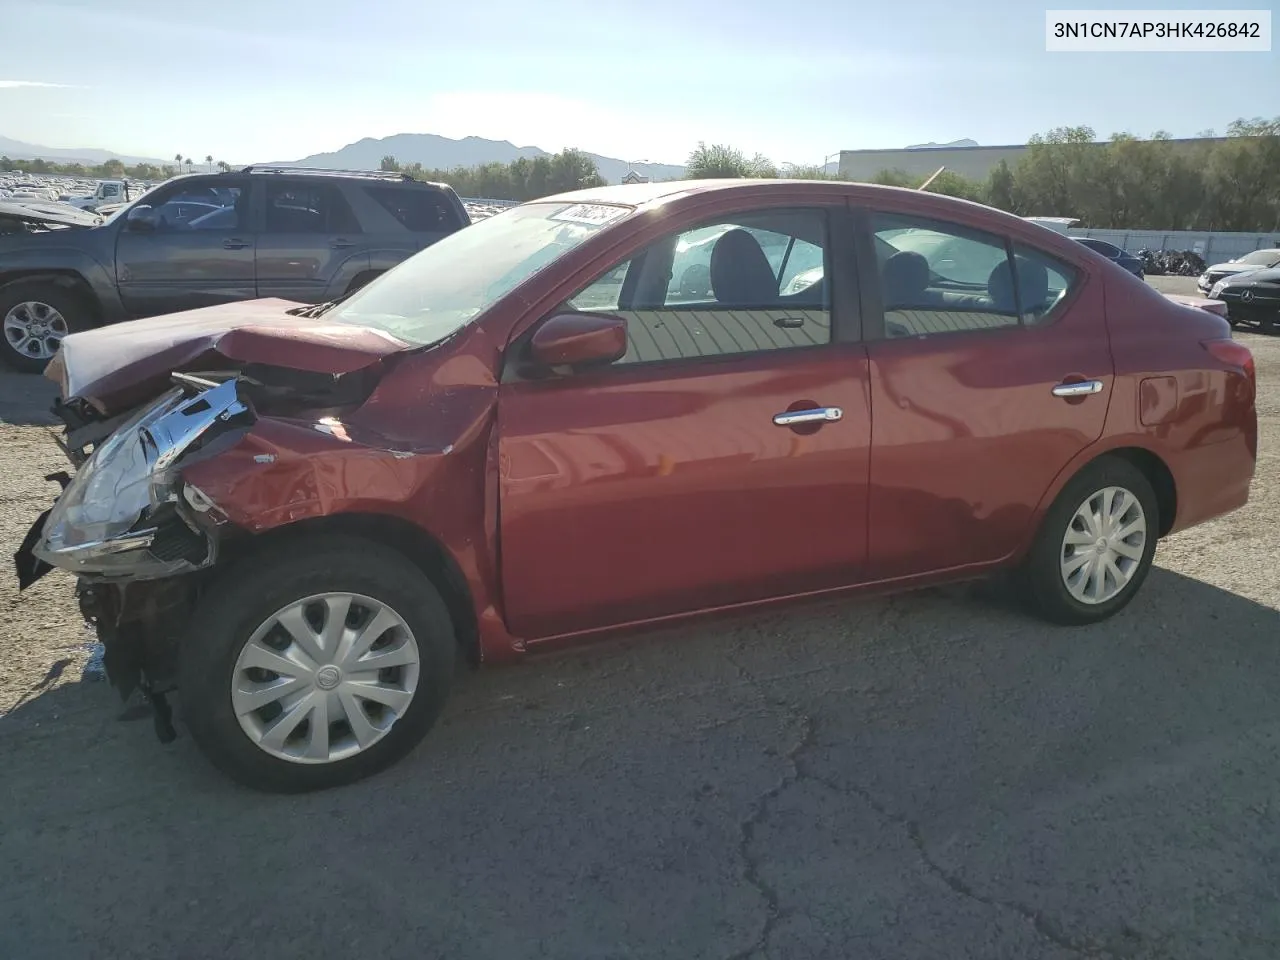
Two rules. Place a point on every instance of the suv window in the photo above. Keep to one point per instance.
(186, 206)
(768, 291)
(308, 208)
(418, 210)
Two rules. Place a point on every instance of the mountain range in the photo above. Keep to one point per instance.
(943, 146)
(18, 150)
(442, 153)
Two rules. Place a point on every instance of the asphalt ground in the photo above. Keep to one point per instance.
(932, 776)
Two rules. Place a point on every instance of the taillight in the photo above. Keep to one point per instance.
(1233, 353)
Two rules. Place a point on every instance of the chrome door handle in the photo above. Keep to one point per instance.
(341, 244)
(1082, 388)
(235, 244)
(816, 415)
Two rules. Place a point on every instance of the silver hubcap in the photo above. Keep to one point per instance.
(34, 329)
(1103, 545)
(325, 678)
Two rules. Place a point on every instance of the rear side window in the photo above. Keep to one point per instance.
(308, 208)
(419, 211)
(940, 278)
(1043, 283)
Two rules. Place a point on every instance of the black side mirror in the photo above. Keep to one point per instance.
(143, 219)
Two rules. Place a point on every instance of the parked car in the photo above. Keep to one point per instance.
(1252, 299)
(299, 234)
(1257, 260)
(300, 517)
(1118, 256)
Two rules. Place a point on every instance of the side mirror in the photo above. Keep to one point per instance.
(579, 340)
(143, 219)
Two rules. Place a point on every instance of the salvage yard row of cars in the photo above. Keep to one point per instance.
(597, 411)
(1249, 286)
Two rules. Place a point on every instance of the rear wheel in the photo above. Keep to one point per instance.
(316, 665)
(1095, 545)
(34, 317)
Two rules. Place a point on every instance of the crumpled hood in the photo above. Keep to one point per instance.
(47, 212)
(117, 366)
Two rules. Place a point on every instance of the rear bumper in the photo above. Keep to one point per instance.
(1213, 480)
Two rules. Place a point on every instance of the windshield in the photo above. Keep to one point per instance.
(438, 291)
(1261, 258)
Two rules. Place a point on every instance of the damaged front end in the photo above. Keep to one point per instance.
(129, 527)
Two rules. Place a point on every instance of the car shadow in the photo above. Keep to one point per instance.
(26, 399)
(551, 781)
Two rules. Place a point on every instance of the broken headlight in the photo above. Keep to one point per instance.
(106, 513)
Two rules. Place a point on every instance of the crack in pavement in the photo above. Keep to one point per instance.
(751, 866)
(1047, 928)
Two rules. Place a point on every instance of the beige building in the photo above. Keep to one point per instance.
(974, 162)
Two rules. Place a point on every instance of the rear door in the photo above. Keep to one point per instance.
(311, 246)
(675, 479)
(197, 262)
(982, 390)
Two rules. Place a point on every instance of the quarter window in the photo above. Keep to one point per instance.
(418, 209)
(754, 283)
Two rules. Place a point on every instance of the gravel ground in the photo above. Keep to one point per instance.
(931, 776)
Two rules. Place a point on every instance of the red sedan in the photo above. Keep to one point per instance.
(612, 408)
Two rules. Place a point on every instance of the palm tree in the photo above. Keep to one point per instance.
(209, 161)
(177, 158)
(189, 162)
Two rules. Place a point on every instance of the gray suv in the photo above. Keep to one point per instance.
(195, 241)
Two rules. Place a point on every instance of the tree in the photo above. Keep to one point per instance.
(719, 160)
(224, 167)
(178, 158)
(209, 162)
(190, 163)
(389, 164)
(1001, 188)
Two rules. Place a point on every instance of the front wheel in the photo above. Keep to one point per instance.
(35, 315)
(1095, 545)
(315, 664)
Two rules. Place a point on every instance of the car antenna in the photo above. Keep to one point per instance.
(925, 185)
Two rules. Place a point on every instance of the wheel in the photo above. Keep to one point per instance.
(315, 663)
(36, 316)
(1095, 545)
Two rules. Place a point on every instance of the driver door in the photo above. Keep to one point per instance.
(181, 264)
(671, 480)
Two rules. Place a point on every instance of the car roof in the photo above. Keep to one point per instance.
(653, 194)
(650, 195)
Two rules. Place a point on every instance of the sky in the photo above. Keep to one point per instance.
(260, 80)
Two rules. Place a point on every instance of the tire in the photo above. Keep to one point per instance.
(237, 608)
(64, 311)
(1041, 580)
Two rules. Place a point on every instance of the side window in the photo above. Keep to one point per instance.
(942, 278)
(752, 284)
(418, 210)
(1043, 283)
(308, 208)
(187, 207)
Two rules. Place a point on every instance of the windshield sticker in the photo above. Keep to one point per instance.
(595, 214)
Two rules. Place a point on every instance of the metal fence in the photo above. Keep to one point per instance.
(1213, 247)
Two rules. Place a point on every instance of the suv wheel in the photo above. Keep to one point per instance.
(34, 316)
(315, 664)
